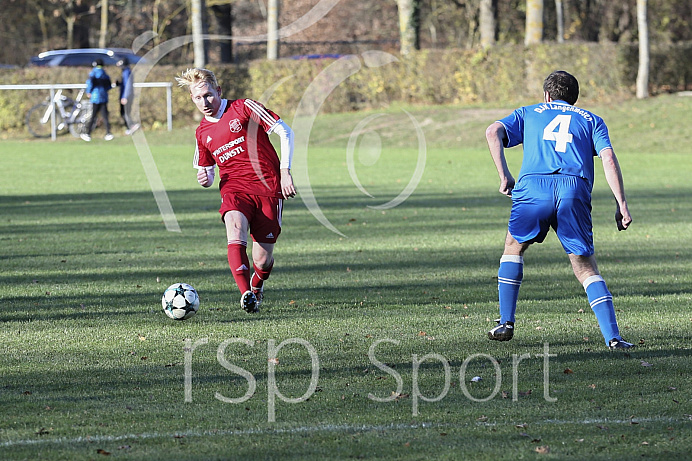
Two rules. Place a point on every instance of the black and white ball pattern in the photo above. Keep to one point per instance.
(180, 301)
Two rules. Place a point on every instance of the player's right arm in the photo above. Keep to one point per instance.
(495, 134)
(205, 172)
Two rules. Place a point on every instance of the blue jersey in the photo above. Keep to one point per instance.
(558, 138)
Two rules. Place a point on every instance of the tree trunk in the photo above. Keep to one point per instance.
(44, 28)
(273, 30)
(70, 20)
(643, 72)
(487, 23)
(223, 19)
(560, 22)
(103, 37)
(408, 26)
(198, 34)
(534, 22)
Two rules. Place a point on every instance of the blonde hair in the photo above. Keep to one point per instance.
(195, 75)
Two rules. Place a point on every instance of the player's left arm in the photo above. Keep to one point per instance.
(613, 175)
(286, 136)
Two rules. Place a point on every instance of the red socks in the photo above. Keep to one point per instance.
(240, 265)
(261, 275)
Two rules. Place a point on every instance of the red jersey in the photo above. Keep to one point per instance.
(238, 142)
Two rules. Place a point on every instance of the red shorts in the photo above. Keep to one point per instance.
(263, 214)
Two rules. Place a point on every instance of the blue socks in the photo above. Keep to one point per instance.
(602, 305)
(509, 278)
(511, 273)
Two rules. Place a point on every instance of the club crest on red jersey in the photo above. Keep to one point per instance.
(235, 125)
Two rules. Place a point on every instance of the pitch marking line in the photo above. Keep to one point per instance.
(303, 429)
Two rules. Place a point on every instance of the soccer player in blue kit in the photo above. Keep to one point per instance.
(554, 190)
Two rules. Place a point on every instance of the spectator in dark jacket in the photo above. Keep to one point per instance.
(97, 86)
(126, 96)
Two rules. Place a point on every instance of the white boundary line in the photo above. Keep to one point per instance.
(306, 429)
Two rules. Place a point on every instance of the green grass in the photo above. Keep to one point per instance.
(91, 365)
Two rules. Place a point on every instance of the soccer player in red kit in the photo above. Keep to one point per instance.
(234, 135)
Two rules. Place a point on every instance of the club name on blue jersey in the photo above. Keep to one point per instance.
(558, 138)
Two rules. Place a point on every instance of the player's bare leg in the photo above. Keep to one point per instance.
(237, 232)
(600, 299)
(263, 263)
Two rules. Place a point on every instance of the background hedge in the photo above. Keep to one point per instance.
(503, 75)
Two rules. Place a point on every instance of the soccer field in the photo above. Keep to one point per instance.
(372, 340)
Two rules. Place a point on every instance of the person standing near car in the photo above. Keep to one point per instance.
(126, 94)
(97, 86)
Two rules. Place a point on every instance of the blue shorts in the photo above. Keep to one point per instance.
(562, 202)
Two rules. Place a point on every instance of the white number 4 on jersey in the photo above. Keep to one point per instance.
(561, 136)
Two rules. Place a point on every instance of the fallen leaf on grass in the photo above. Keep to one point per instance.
(542, 450)
(103, 452)
(568, 371)
(141, 338)
(644, 443)
(422, 333)
(592, 386)
(522, 426)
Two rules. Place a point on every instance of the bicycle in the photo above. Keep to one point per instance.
(72, 115)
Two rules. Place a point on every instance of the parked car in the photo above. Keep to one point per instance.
(83, 57)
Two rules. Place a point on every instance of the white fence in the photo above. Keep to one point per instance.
(79, 86)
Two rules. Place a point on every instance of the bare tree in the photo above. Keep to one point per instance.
(487, 23)
(273, 29)
(103, 36)
(409, 37)
(560, 22)
(223, 23)
(534, 22)
(71, 12)
(643, 72)
(196, 13)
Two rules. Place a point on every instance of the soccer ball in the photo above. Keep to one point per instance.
(180, 301)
